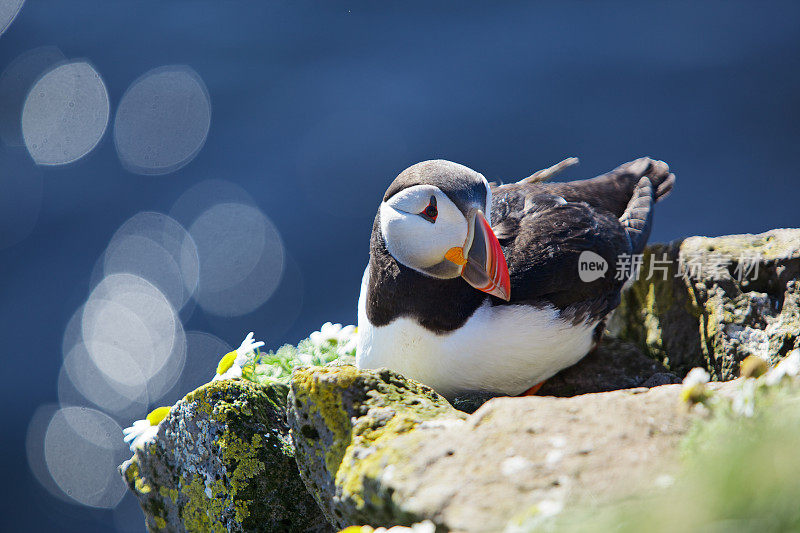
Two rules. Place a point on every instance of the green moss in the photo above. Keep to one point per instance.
(363, 412)
(683, 322)
(200, 396)
(170, 493)
(242, 464)
(225, 462)
(653, 309)
(207, 397)
(319, 388)
(355, 471)
(135, 480)
(240, 459)
(199, 512)
(142, 487)
(131, 473)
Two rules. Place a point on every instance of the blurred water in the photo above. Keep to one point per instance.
(315, 109)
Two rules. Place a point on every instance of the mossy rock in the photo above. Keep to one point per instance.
(378, 449)
(345, 423)
(223, 461)
(716, 315)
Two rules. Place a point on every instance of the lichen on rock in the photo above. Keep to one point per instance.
(223, 461)
(343, 421)
(377, 449)
(715, 317)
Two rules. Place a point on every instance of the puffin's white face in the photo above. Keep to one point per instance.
(420, 225)
(423, 229)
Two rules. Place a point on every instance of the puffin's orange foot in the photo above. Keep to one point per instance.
(533, 390)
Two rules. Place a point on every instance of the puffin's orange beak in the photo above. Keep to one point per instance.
(484, 264)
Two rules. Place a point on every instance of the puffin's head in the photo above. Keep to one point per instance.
(433, 219)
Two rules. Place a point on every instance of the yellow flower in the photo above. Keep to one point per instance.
(226, 362)
(694, 386)
(157, 415)
(420, 527)
(230, 366)
(752, 367)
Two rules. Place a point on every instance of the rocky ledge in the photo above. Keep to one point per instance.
(375, 448)
(341, 447)
(223, 460)
(711, 302)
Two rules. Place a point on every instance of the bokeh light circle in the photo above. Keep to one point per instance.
(162, 121)
(9, 9)
(82, 449)
(65, 114)
(119, 342)
(204, 195)
(203, 352)
(164, 380)
(16, 81)
(157, 248)
(127, 325)
(80, 380)
(241, 258)
(34, 449)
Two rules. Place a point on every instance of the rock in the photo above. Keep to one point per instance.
(711, 311)
(343, 423)
(614, 365)
(223, 461)
(469, 402)
(375, 448)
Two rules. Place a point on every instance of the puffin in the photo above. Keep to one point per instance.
(479, 287)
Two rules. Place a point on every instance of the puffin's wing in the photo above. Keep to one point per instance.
(544, 229)
(611, 191)
(637, 220)
(543, 236)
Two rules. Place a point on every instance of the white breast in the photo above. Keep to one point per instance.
(505, 349)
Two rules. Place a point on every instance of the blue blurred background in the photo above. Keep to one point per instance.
(314, 109)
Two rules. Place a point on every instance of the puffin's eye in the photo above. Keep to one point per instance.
(430, 213)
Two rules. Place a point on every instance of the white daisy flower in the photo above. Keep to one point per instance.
(142, 432)
(346, 334)
(227, 368)
(349, 346)
(744, 402)
(348, 340)
(327, 333)
(696, 376)
(420, 527)
(230, 366)
(789, 366)
(344, 338)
